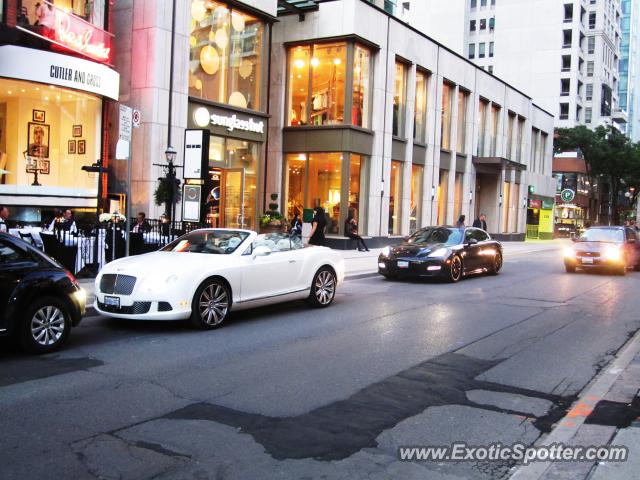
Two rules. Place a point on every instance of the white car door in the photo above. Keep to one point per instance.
(272, 274)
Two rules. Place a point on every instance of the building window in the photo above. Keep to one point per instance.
(474, 3)
(590, 69)
(395, 198)
(592, 20)
(543, 148)
(443, 188)
(591, 45)
(472, 26)
(564, 111)
(495, 117)
(472, 50)
(360, 114)
(490, 49)
(399, 99)
(483, 3)
(565, 87)
(493, 3)
(481, 50)
(589, 94)
(462, 121)
(490, 69)
(519, 139)
(417, 181)
(91, 11)
(483, 24)
(568, 12)
(533, 154)
(445, 125)
(315, 180)
(606, 99)
(457, 195)
(482, 126)
(420, 110)
(566, 38)
(510, 126)
(226, 56)
(36, 124)
(566, 63)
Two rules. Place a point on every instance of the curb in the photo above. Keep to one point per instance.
(568, 426)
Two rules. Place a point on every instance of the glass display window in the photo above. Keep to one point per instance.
(445, 125)
(35, 14)
(420, 110)
(227, 51)
(395, 198)
(417, 181)
(360, 111)
(49, 132)
(399, 98)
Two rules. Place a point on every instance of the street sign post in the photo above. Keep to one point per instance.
(123, 152)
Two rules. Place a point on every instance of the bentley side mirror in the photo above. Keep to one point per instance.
(261, 251)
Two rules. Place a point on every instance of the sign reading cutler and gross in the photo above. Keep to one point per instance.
(567, 195)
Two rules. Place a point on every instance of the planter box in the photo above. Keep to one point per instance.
(273, 229)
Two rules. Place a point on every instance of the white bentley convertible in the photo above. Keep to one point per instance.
(205, 274)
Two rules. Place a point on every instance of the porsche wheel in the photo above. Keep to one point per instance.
(496, 265)
(211, 305)
(455, 269)
(323, 288)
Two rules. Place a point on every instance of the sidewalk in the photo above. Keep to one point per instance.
(606, 414)
(364, 264)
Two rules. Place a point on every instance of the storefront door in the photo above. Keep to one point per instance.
(225, 203)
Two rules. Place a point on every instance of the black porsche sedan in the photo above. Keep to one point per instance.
(39, 300)
(612, 248)
(447, 252)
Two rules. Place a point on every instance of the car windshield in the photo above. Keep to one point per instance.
(602, 235)
(220, 242)
(448, 236)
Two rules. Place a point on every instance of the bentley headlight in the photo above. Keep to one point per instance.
(439, 253)
(386, 251)
(153, 284)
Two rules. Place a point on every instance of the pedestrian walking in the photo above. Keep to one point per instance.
(460, 222)
(296, 224)
(481, 222)
(351, 231)
(318, 226)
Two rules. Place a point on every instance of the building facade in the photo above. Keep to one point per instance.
(366, 116)
(56, 86)
(629, 89)
(565, 54)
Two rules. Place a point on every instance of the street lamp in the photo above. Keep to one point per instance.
(170, 154)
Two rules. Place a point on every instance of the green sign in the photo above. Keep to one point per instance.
(567, 195)
(307, 215)
(532, 190)
(547, 204)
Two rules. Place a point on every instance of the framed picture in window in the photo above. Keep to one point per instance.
(38, 140)
(82, 147)
(71, 147)
(39, 116)
(77, 131)
(44, 166)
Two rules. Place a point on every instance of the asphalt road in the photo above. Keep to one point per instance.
(289, 392)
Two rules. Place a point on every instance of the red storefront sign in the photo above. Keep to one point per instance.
(535, 203)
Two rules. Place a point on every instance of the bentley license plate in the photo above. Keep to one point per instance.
(112, 301)
(587, 260)
(402, 264)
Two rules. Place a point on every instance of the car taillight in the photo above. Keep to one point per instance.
(71, 277)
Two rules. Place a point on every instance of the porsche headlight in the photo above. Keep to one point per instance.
(153, 284)
(386, 251)
(439, 253)
(613, 253)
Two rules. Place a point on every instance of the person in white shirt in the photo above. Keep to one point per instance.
(68, 223)
(4, 215)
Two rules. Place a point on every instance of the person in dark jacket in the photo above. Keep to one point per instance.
(141, 225)
(318, 226)
(296, 224)
(481, 222)
(460, 222)
(351, 231)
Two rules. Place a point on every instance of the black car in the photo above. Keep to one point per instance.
(613, 248)
(39, 300)
(448, 252)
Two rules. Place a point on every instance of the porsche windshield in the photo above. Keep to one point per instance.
(602, 235)
(447, 236)
(220, 242)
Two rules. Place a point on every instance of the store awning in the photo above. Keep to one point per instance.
(498, 163)
(296, 7)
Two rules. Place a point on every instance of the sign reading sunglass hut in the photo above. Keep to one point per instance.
(231, 122)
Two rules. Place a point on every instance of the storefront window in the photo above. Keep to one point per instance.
(457, 199)
(299, 85)
(519, 135)
(395, 198)
(445, 126)
(513, 204)
(227, 48)
(325, 176)
(50, 129)
(36, 13)
(482, 126)
(462, 121)
(328, 66)
(417, 178)
(506, 190)
(296, 180)
(495, 114)
(233, 174)
(420, 112)
(357, 184)
(361, 87)
(510, 126)
(399, 99)
(443, 183)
